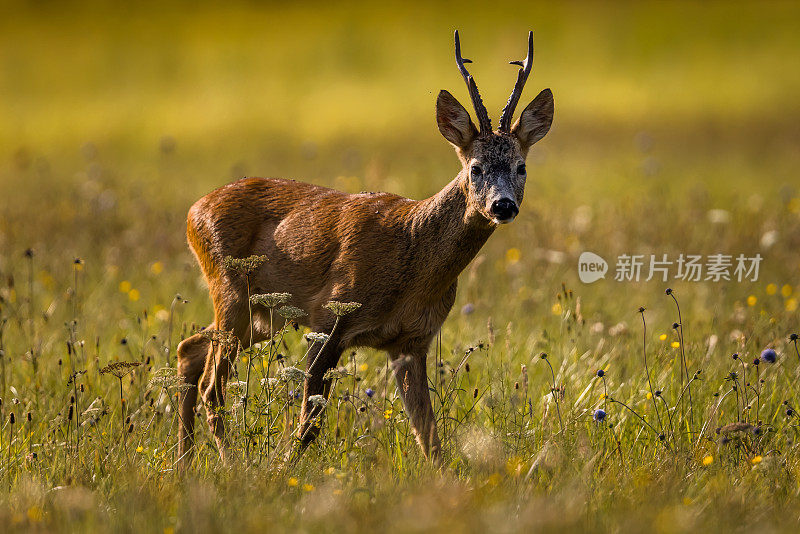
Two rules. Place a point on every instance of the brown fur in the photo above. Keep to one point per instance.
(399, 258)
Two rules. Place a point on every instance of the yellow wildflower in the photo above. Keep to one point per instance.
(772, 289)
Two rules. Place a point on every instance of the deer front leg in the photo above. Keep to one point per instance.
(319, 362)
(412, 381)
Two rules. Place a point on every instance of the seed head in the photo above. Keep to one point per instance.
(270, 300)
(120, 369)
(317, 337)
(318, 401)
(291, 312)
(342, 308)
(243, 265)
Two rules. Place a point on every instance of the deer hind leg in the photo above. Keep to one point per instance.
(412, 381)
(218, 366)
(192, 354)
(319, 362)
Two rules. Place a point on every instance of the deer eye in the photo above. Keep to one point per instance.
(476, 171)
(521, 169)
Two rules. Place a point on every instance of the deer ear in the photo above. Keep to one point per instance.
(535, 120)
(454, 121)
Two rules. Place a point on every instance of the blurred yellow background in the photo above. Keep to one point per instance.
(113, 120)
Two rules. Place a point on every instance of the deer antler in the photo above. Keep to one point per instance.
(522, 77)
(484, 121)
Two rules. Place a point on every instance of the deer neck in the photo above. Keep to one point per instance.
(448, 233)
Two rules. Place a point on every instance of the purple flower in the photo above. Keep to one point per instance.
(600, 373)
(599, 415)
(369, 392)
(769, 356)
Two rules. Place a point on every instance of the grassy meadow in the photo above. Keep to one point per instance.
(677, 131)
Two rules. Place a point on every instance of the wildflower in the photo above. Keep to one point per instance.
(317, 337)
(769, 356)
(751, 300)
(513, 255)
(675, 344)
(708, 460)
(600, 373)
(292, 482)
(219, 336)
(237, 387)
(363, 367)
(668, 291)
(134, 295)
(157, 267)
(772, 289)
(125, 286)
(599, 415)
(663, 337)
(336, 373)
(243, 265)
(467, 309)
(318, 401)
(139, 449)
(120, 369)
(369, 392)
(166, 377)
(292, 374)
(388, 414)
(793, 337)
(269, 382)
(270, 300)
(756, 460)
(649, 395)
(308, 487)
(342, 308)
(291, 312)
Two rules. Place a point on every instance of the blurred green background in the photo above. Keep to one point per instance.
(115, 119)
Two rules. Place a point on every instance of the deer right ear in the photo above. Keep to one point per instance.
(454, 121)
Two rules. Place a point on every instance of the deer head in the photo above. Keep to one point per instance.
(494, 171)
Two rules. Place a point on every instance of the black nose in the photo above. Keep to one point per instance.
(504, 209)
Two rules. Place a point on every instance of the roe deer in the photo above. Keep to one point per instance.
(399, 258)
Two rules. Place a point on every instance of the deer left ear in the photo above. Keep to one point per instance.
(535, 120)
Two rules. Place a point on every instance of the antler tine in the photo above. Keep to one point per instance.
(484, 122)
(522, 77)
